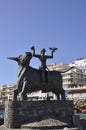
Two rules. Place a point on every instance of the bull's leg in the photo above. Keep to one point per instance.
(63, 95)
(57, 94)
(15, 93)
(23, 94)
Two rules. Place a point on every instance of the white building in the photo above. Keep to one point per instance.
(80, 62)
(74, 78)
(74, 81)
(6, 92)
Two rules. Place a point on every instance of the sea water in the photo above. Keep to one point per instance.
(1, 112)
(82, 115)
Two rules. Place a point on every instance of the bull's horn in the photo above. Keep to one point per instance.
(13, 58)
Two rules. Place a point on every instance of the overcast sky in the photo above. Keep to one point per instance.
(44, 24)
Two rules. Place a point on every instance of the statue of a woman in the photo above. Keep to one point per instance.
(42, 57)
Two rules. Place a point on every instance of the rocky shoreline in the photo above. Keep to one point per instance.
(80, 105)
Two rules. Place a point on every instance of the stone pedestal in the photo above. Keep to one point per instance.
(18, 113)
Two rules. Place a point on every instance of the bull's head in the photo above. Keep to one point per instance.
(22, 59)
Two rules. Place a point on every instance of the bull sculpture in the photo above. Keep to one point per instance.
(29, 79)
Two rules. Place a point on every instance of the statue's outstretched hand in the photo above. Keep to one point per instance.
(53, 49)
(32, 48)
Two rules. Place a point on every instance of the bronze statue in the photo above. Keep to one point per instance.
(42, 57)
(29, 79)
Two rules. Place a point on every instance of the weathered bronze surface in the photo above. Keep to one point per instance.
(43, 58)
(30, 79)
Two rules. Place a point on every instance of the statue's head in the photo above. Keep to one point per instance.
(43, 51)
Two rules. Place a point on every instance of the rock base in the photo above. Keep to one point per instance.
(18, 113)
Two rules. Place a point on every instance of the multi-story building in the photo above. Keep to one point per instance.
(80, 63)
(75, 79)
(6, 92)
